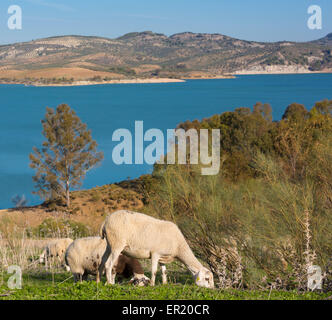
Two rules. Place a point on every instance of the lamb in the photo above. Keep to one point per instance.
(143, 237)
(84, 257)
(55, 249)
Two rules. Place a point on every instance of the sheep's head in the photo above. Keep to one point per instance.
(140, 280)
(204, 278)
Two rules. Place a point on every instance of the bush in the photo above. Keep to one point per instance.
(267, 228)
(60, 228)
(95, 197)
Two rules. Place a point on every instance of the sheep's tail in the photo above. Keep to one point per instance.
(102, 231)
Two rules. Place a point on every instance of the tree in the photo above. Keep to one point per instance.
(243, 111)
(265, 110)
(324, 107)
(295, 112)
(65, 157)
(19, 201)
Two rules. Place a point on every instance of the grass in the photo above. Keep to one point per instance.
(45, 286)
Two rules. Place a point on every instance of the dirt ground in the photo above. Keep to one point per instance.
(89, 207)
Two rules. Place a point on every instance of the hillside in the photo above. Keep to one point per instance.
(257, 218)
(152, 55)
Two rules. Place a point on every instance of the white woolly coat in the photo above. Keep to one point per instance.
(141, 236)
(84, 255)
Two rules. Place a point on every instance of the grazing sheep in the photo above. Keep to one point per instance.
(143, 237)
(55, 249)
(84, 256)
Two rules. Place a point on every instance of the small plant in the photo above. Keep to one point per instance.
(60, 228)
(95, 197)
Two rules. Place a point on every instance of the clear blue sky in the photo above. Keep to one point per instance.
(260, 20)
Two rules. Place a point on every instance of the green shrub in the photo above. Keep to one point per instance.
(59, 228)
(95, 197)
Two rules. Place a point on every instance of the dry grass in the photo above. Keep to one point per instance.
(146, 68)
(102, 200)
(21, 252)
(77, 73)
(16, 221)
(89, 208)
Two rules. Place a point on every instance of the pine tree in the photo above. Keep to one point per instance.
(65, 157)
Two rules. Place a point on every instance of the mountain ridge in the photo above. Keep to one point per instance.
(155, 55)
(149, 32)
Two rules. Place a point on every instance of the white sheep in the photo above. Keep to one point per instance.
(84, 257)
(143, 237)
(55, 249)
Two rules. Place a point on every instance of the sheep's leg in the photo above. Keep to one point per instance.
(113, 276)
(59, 260)
(98, 276)
(85, 276)
(154, 268)
(110, 264)
(102, 265)
(163, 274)
(76, 277)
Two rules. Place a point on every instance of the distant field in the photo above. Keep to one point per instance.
(76, 73)
(45, 286)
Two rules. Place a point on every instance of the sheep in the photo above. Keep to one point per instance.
(56, 248)
(84, 256)
(143, 237)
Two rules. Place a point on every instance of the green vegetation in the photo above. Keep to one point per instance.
(258, 225)
(39, 81)
(266, 218)
(45, 286)
(59, 228)
(67, 154)
(122, 70)
(319, 64)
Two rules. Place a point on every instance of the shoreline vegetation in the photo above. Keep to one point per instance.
(65, 82)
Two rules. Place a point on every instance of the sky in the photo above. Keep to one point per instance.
(257, 20)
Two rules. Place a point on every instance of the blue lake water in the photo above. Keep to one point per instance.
(106, 108)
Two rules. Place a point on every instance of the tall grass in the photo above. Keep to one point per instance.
(265, 231)
(21, 252)
(22, 246)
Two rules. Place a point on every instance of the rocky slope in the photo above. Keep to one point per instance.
(148, 54)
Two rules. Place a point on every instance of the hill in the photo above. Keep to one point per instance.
(65, 59)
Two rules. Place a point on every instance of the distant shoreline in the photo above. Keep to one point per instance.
(160, 80)
(118, 81)
(123, 81)
(285, 71)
